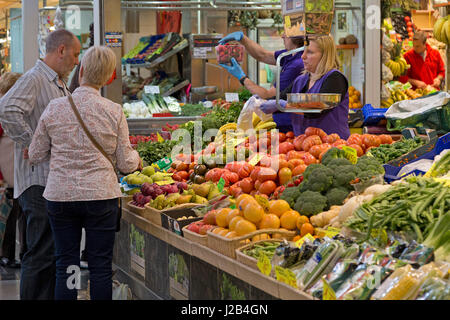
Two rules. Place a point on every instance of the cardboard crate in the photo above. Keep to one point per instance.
(169, 217)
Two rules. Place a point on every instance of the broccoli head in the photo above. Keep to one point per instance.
(310, 203)
(369, 167)
(336, 196)
(290, 195)
(319, 179)
(344, 175)
(333, 153)
(309, 169)
(337, 163)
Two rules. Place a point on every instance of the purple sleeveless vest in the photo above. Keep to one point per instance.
(334, 121)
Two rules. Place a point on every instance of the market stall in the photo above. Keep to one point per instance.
(234, 209)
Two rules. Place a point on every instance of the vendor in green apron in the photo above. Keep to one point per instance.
(291, 67)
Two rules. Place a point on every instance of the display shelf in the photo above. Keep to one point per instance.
(176, 88)
(149, 125)
(440, 5)
(212, 257)
(160, 59)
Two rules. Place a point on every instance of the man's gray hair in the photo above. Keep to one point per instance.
(57, 38)
(421, 36)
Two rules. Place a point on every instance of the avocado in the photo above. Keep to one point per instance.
(192, 176)
(199, 179)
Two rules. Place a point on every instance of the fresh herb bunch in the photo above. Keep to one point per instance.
(244, 94)
(151, 151)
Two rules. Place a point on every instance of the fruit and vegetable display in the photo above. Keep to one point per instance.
(151, 104)
(441, 30)
(229, 50)
(354, 98)
(260, 248)
(388, 152)
(151, 151)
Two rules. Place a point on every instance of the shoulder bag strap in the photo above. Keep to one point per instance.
(94, 142)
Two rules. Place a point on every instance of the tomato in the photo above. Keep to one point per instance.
(298, 141)
(290, 135)
(294, 155)
(298, 170)
(358, 149)
(294, 163)
(267, 187)
(331, 138)
(311, 141)
(184, 175)
(233, 177)
(265, 161)
(245, 170)
(283, 163)
(235, 191)
(214, 175)
(171, 170)
(385, 139)
(308, 159)
(254, 174)
(318, 149)
(371, 140)
(355, 138)
(284, 175)
(285, 147)
(266, 174)
(311, 131)
(339, 142)
(176, 176)
(246, 185)
(282, 137)
(257, 184)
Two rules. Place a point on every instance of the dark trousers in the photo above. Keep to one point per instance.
(99, 219)
(16, 217)
(37, 279)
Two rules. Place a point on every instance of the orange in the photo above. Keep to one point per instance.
(301, 220)
(223, 232)
(253, 212)
(221, 217)
(263, 236)
(233, 213)
(242, 197)
(244, 202)
(269, 221)
(244, 227)
(288, 219)
(217, 230)
(296, 238)
(306, 228)
(278, 207)
(232, 224)
(231, 234)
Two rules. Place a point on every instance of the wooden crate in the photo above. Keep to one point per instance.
(195, 237)
(228, 246)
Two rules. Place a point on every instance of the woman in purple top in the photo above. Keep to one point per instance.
(292, 67)
(321, 75)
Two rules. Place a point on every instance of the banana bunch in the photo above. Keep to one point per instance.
(441, 30)
(387, 103)
(412, 94)
(398, 66)
(229, 126)
(265, 125)
(255, 120)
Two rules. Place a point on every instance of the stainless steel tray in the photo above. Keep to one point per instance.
(311, 102)
(204, 90)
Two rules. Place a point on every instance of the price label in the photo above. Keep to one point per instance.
(286, 276)
(299, 242)
(151, 89)
(254, 161)
(262, 201)
(287, 21)
(350, 154)
(328, 292)
(331, 232)
(168, 100)
(264, 264)
(231, 97)
(221, 184)
(160, 139)
(200, 53)
(164, 163)
(280, 274)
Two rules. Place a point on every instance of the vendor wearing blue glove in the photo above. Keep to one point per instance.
(321, 76)
(291, 67)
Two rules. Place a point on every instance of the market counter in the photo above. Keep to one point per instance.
(158, 264)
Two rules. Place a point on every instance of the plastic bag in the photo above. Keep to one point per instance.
(434, 288)
(245, 120)
(386, 76)
(121, 291)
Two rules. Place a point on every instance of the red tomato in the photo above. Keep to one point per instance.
(311, 141)
(355, 138)
(267, 187)
(184, 175)
(284, 175)
(234, 177)
(176, 177)
(294, 163)
(266, 174)
(298, 170)
(318, 149)
(308, 159)
(254, 174)
(298, 141)
(285, 147)
(331, 138)
(290, 135)
(294, 155)
(246, 185)
(371, 140)
(282, 137)
(385, 139)
(311, 131)
(339, 142)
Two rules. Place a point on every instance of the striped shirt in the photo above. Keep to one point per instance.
(20, 110)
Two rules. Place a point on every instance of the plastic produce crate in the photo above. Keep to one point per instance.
(373, 116)
(391, 172)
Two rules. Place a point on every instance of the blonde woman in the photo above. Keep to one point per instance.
(321, 75)
(82, 187)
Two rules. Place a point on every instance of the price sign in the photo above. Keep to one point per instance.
(164, 163)
(287, 21)
(160, 139)
(262, 201)
(350, 154)
(221, 184)
(264, 264)
(328, 292)
(164, 182)
(299, 242)
(280, 274)
(286, 276)
(151, 89)
(231, 97)
(331, 232)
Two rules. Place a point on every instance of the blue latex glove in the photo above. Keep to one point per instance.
(235, 36)
(235, 69)
(270, 106)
